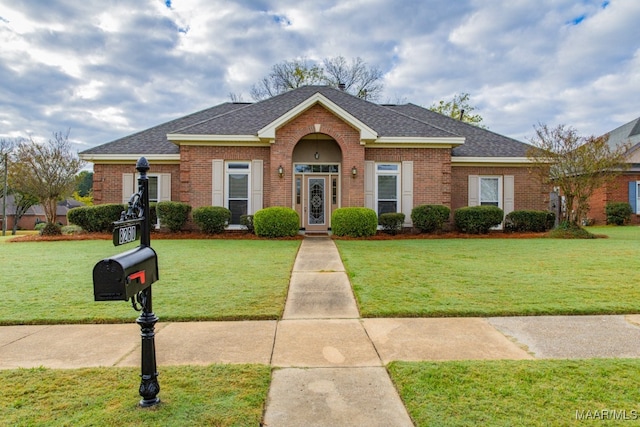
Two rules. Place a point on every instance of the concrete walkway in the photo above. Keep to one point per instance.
(330, 363)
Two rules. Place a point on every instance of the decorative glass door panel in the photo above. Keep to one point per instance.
(316, 208)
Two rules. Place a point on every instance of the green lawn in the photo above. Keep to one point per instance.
(51, 282)
(520, 393)
(496, 277)
(217, 395)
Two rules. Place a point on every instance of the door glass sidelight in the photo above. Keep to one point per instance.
(316, 201)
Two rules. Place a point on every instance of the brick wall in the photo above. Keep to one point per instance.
(288, 136)
(195, 180)
(529, 193)
(617, 191)
(431, 171)
(107, 180)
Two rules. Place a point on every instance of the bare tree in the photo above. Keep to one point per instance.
(576, 165)
(47, 171)
(357, 78)
(458, 108)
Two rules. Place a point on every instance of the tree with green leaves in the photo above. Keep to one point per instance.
(459, 108)
(46, 171)
(576, 165)
(357, 77)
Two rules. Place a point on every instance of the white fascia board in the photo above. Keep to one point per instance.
(413, 140)
(178, 138)
(494, 160)
(120, 158)
(269, 131)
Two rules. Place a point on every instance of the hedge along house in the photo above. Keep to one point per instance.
(316, 149)
(626, 187)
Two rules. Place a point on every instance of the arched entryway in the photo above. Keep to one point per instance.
(317, 163)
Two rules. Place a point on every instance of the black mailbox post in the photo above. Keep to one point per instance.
(129, 275)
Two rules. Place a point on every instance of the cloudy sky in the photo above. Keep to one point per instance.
(108, 68)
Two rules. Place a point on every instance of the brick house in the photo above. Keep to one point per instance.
(316, 149)
(626, 188)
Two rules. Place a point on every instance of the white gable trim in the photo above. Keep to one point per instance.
(269, 131)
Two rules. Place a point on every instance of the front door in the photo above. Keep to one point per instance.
(316, 203)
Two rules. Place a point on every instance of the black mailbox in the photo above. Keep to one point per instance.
(124, 275)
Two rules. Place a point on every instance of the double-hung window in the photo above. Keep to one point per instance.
(490, 191)
(237, 189)
(388, 187)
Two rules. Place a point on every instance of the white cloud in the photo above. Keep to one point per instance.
(108, 69)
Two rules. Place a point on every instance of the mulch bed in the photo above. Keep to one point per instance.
(235, 235)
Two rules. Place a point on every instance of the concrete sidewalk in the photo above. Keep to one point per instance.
(330, 362)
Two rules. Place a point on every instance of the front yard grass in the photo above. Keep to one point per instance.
(51, 282)
(216, 395)
(496, 277)
(519, 393)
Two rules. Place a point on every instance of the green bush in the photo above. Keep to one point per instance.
(211, 219)
(276, 221)
(39, 225)
(51, 229)
(96, 219)
(536, 221)
(430, 218)
(71, 229)
(477, 219)
(391, 222)
(569, 230)
(173, 215)
(618, 213)
(247, 221)
(354, 222)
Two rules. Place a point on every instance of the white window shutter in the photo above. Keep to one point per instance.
(474, 191)
(257, 171)
(165, 187)
(370, 184)
(509, 194)
(217, 183)
(407, 191)
(128, 186)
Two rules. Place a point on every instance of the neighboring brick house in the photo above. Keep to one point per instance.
(626, 188)
(316, 149)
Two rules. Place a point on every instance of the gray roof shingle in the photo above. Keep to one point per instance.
(247, 119)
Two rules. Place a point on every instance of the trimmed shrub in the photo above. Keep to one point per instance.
(71, 229)
(354, 222)
(430, 218)
(173, 215)
(39, 226)
(247, 221)
(51, 229)
(276, 221)
(569, 230)
(391, 222)
(96, 219)
(533, 221)
(618, 213)
(211, 219)
(477, 219)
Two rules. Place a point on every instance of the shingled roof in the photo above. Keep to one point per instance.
(246, 119)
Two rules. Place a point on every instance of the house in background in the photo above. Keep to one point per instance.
(316, 149)
(626, 188)
(35, 213)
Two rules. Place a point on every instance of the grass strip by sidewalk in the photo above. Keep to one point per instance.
(216, 395)
(519, 393)
(51, 282)
(495, 277)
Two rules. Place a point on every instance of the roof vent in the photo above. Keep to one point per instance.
(341, 86)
